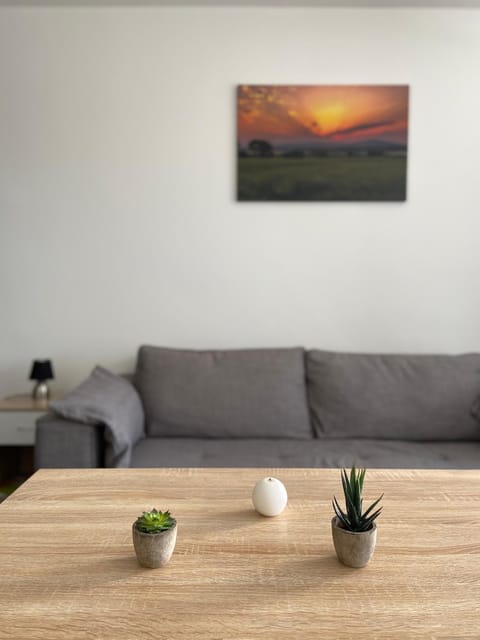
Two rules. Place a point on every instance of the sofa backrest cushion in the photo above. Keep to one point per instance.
(476, 408)
(254, 393)
(408, 397)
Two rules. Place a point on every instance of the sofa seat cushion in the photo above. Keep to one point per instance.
(279, 453)
(224, 394)
(411, 397)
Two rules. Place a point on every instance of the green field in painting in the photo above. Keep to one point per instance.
(322, 178)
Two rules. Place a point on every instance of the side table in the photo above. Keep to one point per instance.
(18, 415)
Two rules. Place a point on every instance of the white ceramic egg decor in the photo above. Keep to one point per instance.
(269, 497)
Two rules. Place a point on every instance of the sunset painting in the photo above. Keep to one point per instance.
(326, 142)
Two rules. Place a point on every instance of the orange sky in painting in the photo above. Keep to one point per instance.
(322, 114)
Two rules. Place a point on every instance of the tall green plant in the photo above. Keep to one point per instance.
(354, 519)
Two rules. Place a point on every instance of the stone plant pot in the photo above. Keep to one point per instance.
(353, 549)
(154, 549)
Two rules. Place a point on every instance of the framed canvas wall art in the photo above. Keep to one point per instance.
(322, 143)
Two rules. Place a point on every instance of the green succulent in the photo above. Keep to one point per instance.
(354, 519)
(155, 521)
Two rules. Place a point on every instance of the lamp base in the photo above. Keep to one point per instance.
(41, 390)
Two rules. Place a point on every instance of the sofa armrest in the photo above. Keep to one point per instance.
(61, 443)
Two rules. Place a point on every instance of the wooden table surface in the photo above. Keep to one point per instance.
(25, 402)
(68, 569)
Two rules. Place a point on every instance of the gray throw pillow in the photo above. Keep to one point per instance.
(108, 399)
(404, 397)
(255, 393)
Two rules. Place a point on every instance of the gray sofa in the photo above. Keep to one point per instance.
(271, 408)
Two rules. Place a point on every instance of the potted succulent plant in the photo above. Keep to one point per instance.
(154, 536)
(354, 531)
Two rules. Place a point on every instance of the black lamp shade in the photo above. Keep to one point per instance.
(41, 370)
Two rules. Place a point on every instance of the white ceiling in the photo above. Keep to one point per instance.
(470, 4)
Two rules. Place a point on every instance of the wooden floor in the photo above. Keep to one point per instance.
(68, 570)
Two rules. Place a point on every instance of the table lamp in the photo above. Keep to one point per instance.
(41, 372)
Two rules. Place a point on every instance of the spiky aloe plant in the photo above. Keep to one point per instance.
(155, 521)
(354, 519)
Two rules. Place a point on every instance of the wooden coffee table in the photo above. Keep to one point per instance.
(68, 570)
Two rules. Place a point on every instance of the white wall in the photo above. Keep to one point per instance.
(118, 220)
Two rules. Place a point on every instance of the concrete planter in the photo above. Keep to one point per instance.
(154, 549)
(353, 549)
